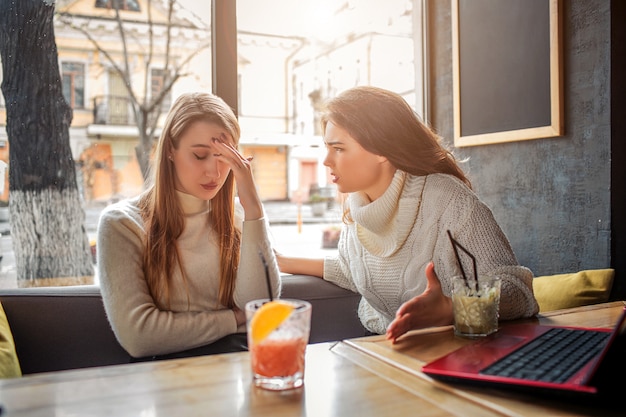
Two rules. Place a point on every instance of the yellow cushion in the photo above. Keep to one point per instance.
(555, 292)
(9, 364)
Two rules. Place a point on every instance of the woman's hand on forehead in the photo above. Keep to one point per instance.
(224, 147)
(242, 170)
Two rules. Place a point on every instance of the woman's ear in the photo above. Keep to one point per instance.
(386, 165)
(381, 158)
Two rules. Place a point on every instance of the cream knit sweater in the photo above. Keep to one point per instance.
(195, 317)
(383, 254)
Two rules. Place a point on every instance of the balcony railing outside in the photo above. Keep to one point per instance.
(112, 110)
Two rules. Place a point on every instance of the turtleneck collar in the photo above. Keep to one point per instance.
(384, 224)
(192, 205)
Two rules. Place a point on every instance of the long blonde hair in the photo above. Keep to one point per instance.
(163, 214)
(383, 123)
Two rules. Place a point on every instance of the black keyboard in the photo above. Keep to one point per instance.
(552, 357)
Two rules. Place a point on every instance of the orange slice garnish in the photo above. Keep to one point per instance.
(268, 318)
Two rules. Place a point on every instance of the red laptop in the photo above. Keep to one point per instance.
(542, 359)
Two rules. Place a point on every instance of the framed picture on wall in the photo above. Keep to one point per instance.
(507, 70)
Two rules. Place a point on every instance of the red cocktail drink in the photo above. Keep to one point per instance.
(272, 358)
(277, 339)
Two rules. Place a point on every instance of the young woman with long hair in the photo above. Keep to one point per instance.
(405, 192)
(178, 263)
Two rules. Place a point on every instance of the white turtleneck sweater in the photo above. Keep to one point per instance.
(383, 254)
(195, 317)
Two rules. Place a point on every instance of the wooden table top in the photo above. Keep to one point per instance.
(359, 377)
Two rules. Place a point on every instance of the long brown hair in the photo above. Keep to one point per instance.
(383, 123)
(163, 214)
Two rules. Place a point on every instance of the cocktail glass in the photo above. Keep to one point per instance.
(475, 306)
(277, 358)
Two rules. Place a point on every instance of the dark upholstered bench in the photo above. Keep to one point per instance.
(57, 328)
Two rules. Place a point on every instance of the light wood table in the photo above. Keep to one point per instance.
(359, 377)
(218, 385)
(405, 359)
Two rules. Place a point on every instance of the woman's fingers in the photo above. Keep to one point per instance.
(242, 170)
(398, 327)
(230, 154)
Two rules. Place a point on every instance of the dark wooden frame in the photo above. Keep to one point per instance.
(224, 51)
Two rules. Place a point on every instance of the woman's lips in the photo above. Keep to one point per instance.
(209, 187)
(334, 178)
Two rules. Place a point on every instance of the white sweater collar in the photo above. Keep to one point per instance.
(192, 205)
(384, 224)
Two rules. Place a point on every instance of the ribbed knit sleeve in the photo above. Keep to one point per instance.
(472, 224)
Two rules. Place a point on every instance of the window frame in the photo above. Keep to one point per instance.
(122, 4)
(224, 51)
(72, 86)
(160, 78)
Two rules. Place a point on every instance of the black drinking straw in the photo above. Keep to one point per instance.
(267, 276)
(456, 244)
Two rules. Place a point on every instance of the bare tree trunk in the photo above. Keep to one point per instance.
(143, 150)
(47, 219)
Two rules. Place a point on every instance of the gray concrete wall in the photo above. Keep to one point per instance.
(551, 196)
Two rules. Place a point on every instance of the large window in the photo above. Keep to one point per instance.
(284, 67)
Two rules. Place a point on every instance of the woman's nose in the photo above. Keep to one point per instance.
(211, 168)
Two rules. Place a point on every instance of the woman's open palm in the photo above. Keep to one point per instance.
(431, 308)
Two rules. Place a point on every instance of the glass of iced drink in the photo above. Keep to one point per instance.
(278, 332)
(475, 305)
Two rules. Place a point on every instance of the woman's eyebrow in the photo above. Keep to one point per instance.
(201, 145)
(337, 142)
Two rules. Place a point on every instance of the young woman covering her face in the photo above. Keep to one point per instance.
(405, 191)
(178, 263)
